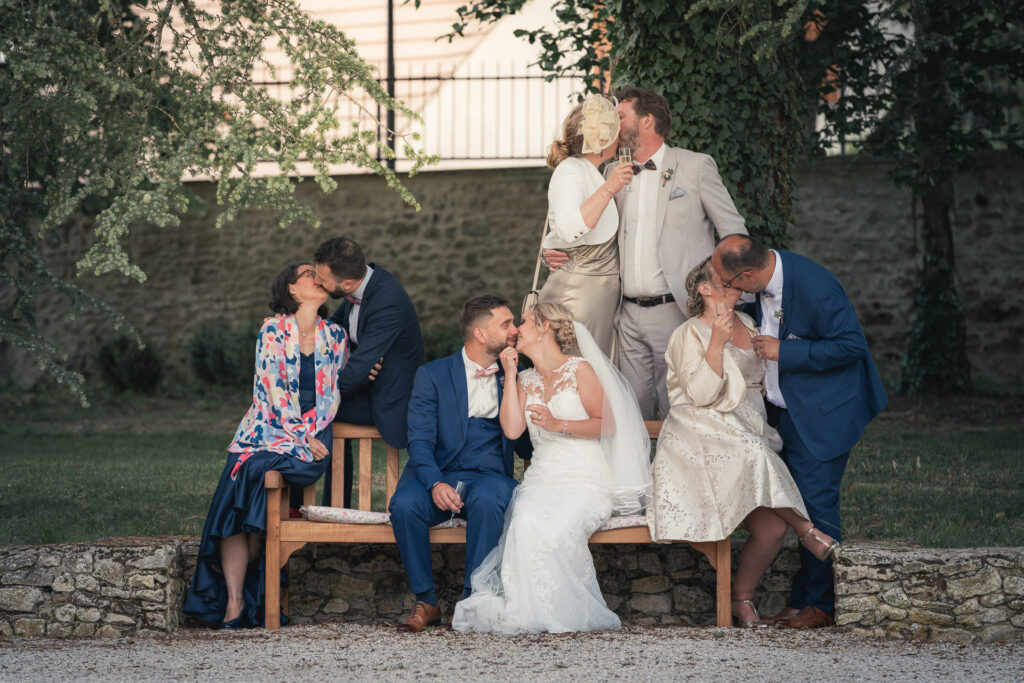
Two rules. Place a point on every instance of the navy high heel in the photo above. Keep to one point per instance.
(235, 623)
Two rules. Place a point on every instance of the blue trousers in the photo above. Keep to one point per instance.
(818, 482)
(413, 513)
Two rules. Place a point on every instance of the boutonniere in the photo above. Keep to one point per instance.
(778, 314)
(667, 176)
(501, 380)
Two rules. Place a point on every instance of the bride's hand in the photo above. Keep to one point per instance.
(542, 417)
(619, 177)
(509, 360)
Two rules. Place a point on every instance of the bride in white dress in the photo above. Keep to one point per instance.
(591, 459)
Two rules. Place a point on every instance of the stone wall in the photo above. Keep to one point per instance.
(478, 232)
(136, 587)
(106, 589)
(964, 596)
(643, 584)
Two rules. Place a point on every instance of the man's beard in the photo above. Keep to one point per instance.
(628, 137)
(496, 349)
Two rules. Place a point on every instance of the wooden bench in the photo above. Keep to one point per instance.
(286, 535)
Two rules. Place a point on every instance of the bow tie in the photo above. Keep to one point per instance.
(767, 295)
(354, 299)
(485, 373)
(649, 165)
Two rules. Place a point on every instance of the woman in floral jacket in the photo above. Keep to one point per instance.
(288, 429)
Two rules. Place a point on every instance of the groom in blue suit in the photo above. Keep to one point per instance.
(455, 436)
(821, 388)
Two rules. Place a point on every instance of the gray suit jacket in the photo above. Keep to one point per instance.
(692, 205)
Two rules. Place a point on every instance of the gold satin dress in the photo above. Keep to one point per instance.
(588, 285)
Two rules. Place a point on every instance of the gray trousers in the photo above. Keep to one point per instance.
(643, 335)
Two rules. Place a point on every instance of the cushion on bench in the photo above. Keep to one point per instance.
(321, 513)
(624, 522)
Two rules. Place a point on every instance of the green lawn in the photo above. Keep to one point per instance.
(148, 466)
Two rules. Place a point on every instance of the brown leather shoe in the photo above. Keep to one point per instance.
(422, 616)
(784, 614)
(808, 617)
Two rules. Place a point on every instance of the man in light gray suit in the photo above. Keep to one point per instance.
(668, 216)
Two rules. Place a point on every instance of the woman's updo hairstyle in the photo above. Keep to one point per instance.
(281, 299)
(700, 274)
(571, 143)
(561, 321)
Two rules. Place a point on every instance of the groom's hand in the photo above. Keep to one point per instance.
(376, 369)
(445, 497)
(554, 259)
(766, 347)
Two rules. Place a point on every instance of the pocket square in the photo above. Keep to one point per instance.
(791, 337)
(677, 192)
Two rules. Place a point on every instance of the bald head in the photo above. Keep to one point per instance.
(740, 260)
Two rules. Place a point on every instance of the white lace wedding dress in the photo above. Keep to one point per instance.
(540, 576)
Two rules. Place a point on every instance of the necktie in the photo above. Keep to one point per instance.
(354, 299)
(485, 373)
(649, 165)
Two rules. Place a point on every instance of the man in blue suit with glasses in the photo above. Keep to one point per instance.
(822, 389)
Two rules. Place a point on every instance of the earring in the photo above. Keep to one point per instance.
(540, 338)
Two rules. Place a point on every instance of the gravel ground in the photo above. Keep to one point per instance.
(360, 652)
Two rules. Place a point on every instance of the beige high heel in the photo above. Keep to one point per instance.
(738, 622)
(831, 546)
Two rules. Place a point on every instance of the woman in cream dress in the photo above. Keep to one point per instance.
(717, 466)
(582, 218)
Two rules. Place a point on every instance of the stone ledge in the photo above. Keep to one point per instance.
(135, 586)
(960, 595)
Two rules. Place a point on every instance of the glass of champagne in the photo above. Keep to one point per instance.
(460, 488)
(626, 157)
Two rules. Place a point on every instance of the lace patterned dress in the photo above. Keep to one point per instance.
(717, 457)
(540, 577)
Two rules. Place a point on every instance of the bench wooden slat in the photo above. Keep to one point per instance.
(285, 536)
(365, 472)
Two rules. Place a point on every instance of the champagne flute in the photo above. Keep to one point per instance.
(625, 155)
(460, 488)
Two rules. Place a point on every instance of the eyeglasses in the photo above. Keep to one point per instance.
(305, 273)
(734, 278)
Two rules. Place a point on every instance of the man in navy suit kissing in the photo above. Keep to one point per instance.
(821, 391)
(385, 345)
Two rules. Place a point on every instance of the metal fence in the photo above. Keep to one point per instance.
(471, 114)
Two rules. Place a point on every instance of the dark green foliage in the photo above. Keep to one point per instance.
(224, 355)
(441, 341)
(127, 367)
(107, 105)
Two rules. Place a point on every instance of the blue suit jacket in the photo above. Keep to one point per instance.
(439, 419)
(387, 327)
(826, 373)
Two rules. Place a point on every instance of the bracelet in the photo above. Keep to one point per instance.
(611, 195)
(565, 426)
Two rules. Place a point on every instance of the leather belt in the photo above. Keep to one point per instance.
(647, 301)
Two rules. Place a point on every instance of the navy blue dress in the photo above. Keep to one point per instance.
(241, 505)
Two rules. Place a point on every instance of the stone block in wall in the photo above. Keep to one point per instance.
(106, 589)
(957, 595)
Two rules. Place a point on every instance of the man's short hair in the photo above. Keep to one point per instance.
(649, 102)
(343, 257)
(477, 308)
(743, 253)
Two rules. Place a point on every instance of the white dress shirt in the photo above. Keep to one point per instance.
(641, 267)
(483, 391)
(771, 321)
(574, 181)
(353, 315)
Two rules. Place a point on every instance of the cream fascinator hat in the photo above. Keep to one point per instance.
(600, 125)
